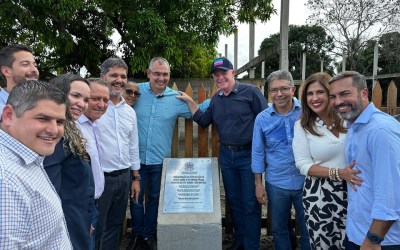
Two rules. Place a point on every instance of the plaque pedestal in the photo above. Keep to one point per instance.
(189, 214)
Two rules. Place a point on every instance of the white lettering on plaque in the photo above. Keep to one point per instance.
(188, 186)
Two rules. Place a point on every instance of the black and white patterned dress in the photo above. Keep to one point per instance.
(324, 201)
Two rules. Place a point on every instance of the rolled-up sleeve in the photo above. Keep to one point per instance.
(386, 171)
(301, 149)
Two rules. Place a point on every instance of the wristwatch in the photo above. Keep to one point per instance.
(375, 239)
(136, 178)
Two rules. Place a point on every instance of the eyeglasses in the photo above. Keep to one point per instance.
(131, 92)
(283, 90)
(159, 74)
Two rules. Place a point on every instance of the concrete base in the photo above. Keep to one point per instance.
(191, 231)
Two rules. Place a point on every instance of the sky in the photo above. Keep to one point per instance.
(298, 14)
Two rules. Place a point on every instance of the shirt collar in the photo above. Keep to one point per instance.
(83, 119)
(122, 102)
(296, 105)
(4, 95)
(23, 152)
(365, 116)
(234, 90)
(147, 89)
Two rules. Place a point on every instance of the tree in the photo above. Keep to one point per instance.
(353, 23)
(67, 34)
(311, 40)
(389, 55)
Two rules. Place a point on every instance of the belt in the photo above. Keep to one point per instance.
(116, 172)
(237, 147)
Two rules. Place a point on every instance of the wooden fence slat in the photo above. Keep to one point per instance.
(391, 101)
(189, 128)
(214, 133)
(202, 132)
(377, 95)
(175, 139)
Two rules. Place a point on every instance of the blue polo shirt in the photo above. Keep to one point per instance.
(373, 141)
(272, 148)
(233, 114)
(156, 118)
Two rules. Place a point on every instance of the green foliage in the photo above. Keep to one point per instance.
(312, 40)
(67, 34)
(388, 59)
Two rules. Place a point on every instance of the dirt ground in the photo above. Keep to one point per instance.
(266, 241)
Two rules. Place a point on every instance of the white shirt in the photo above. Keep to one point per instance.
(3, 100)
(326, 150)
(31, 216)
(89, 132)
(118, 137)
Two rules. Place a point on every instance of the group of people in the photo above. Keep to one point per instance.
(72, 151)
(322, 155)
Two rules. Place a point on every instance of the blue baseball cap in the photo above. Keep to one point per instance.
(221, 63)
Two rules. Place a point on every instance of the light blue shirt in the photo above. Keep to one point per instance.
(272, 151)
(373, 141)
(118, 138)
(3, 100)
(157, 116)
(89, 132)
(31, 216)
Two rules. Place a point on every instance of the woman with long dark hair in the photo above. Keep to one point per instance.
(318, 147)
(68, 167)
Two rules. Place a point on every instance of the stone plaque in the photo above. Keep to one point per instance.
(188, 186)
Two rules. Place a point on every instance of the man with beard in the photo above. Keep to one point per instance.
(119, 155)
(373, 142)
(17, 65)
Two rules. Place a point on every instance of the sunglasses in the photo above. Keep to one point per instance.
(131, 92)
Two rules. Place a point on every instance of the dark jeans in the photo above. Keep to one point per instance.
(280, 203)
(144, 217)
(112, 210)
(352, 246)
(240, 195)
(95, 217)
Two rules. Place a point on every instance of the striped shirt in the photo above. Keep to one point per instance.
(31, 216)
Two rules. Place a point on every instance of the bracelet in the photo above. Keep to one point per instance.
(136, 178)
(331, 174)
(337, 174)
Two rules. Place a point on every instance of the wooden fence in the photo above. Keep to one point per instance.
(390, 105)
(195, 141)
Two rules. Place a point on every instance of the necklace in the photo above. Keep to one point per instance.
(321, 122)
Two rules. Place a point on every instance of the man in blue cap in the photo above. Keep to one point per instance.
(233, 110)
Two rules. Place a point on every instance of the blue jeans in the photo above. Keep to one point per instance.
(144, 218)
(95, 217)
(280, 203)
(240, 195)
